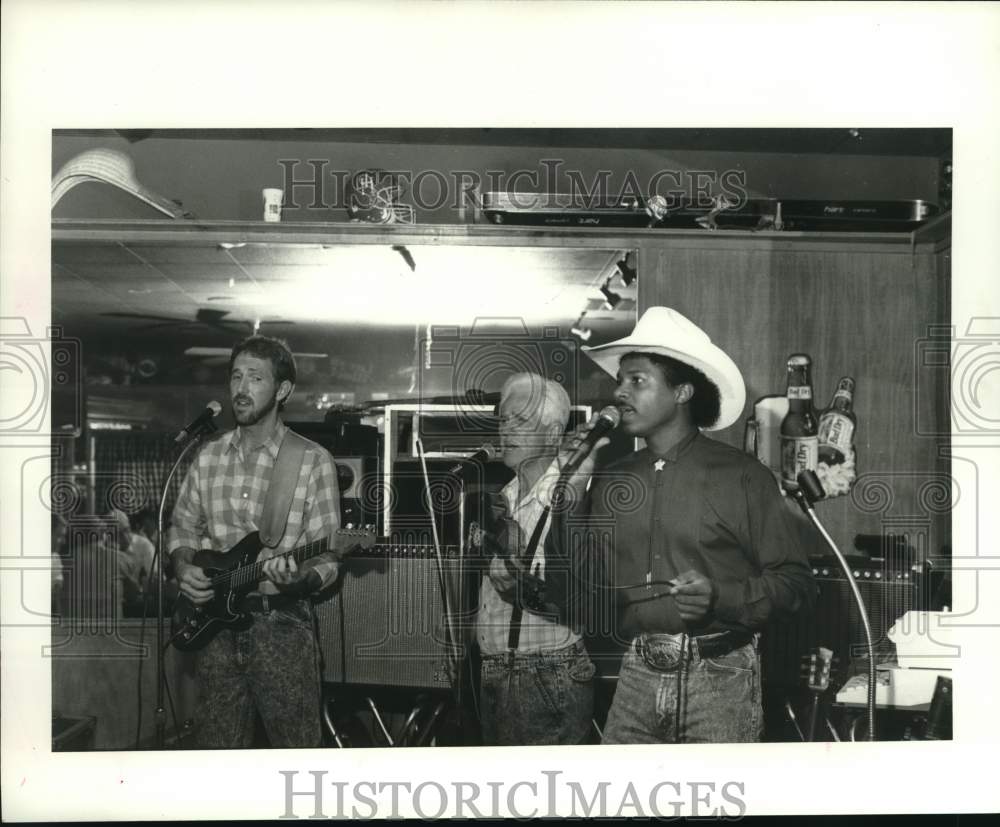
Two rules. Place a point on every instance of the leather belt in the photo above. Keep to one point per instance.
(264, 603)
(715, 646)
(669, 653)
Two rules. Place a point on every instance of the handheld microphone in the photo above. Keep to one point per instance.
(202, 424)
(608, 420)
(481, 457)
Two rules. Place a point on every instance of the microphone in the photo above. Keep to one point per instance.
(608, 420)
(482, 456)
(809, 491)
(202, 424)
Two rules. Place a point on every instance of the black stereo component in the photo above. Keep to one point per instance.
(834, 215)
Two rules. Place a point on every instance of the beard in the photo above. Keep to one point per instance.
(251, 415)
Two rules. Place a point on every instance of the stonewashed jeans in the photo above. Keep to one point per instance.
(273, 668)
(720, 698)
(542, 698)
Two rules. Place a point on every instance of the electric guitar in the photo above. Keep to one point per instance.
(818, 682)
(237, 572)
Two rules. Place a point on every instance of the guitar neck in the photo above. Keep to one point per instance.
(255, 572)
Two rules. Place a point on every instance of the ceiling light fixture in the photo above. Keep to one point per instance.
(627, 273)
(407, 256)
(580, 331)
(611, 298)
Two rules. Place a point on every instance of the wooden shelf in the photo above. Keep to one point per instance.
(200, 232)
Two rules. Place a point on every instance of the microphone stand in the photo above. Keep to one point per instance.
(805, 495)
(161, 712)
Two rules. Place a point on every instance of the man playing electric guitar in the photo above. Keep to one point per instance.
(271, 666)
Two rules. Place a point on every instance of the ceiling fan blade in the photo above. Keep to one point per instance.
(210, 315)
(177, 323)
(207, 351)
(121, 315)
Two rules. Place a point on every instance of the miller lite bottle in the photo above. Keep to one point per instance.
(799, 432)
(837, 424)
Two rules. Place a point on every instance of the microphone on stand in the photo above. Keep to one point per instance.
(608, 420)
(809, 491)
(481, 457)
(202, 424)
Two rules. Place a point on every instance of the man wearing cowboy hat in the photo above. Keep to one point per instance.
(702, 550)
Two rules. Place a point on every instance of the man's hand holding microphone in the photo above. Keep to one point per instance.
(579, 451)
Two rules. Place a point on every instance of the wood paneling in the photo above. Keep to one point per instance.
(866, 313)
(96, 672)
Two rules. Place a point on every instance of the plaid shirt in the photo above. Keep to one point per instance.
(222, 500)
(538, 634)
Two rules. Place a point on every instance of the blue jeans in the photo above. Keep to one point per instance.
(543, 698)
(273, 668)
(719, 697)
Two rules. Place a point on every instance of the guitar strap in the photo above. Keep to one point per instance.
(516, 616)
(281, 488)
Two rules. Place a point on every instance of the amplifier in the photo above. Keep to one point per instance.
(888, 592)
(385, 622)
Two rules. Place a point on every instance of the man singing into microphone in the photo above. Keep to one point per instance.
(707, 552)
(536, 676)
(273, 666)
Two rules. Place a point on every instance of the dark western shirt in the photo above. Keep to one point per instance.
(711, 508)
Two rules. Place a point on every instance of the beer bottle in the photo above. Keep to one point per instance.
(799, 440)
(837, 424)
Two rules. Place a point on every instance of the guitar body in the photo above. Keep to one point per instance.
(192, 627)
(236, 573)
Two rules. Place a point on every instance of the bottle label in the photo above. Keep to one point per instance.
(798, 453)
(836, 431)
(800, 392)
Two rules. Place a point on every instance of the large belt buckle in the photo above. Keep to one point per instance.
(666, 655)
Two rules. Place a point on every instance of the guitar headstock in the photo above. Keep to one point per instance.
(347, 540)
(819, 670)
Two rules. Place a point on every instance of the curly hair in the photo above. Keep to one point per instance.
(705, 402)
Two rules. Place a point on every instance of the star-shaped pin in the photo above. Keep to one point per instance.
(658, 465)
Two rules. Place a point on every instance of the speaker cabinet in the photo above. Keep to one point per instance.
(888, 593)
(385, 623)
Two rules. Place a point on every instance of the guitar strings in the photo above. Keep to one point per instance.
(251, 574)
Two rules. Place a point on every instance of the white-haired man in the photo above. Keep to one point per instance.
(536, 675)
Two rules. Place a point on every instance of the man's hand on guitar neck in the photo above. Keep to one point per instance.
(191, 578)
(289, 578)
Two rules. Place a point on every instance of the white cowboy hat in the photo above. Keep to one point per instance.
(665, 331)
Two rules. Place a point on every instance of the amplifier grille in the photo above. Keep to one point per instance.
(385, 623)
(836, 622)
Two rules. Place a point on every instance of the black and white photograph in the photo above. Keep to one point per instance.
(655, 449)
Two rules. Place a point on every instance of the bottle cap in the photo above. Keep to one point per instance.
(798, 360)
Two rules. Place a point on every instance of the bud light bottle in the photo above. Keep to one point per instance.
(837, 424)
(799, 431)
